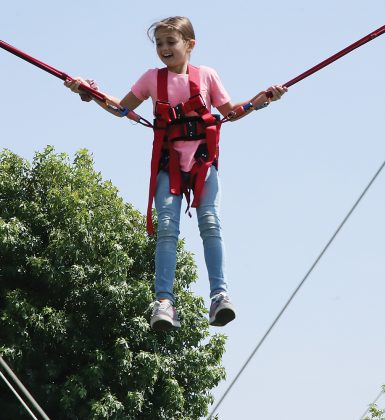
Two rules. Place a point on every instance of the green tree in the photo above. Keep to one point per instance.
(374, 412)
(76, 283)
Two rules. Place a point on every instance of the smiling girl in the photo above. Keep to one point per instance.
(185, 158)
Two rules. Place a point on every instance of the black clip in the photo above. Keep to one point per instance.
(176, 112)
(191, 128)
(179, 111)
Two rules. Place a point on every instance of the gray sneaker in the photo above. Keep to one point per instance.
(221, 310)
(164, 316)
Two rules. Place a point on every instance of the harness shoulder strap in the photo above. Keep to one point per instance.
(162, 79)
(194, 80)
(161, 87)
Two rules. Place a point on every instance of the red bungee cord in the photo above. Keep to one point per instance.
(64, 76)
(236, 113)
(336, 56)
(245, 108)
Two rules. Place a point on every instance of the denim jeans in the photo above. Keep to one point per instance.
(168, 207)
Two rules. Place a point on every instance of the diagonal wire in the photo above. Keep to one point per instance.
(18, 396)
(22, 388)
(296, 291)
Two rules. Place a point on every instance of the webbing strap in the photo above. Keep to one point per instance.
(193, 77)
(194, 80)
(161, 87)
(199, 170)
(156, 153)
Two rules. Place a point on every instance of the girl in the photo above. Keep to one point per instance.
(187, 133)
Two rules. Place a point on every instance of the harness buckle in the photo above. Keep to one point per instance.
(176, 112)
(162, 110)
(197, 103)
(172, 114)
(191, 129)
(179, 111)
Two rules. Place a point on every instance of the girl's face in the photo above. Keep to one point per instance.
(173, 50)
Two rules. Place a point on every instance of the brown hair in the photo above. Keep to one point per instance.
(175, 23)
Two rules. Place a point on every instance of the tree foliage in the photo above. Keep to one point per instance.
(76, 283)
(375, 413)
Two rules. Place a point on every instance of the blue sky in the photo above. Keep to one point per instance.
(290, 173)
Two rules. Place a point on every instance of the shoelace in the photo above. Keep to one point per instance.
(164, 305)
(219, 297)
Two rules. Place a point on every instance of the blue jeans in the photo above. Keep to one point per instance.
(168, 207)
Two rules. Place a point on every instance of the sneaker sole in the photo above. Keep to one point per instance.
(161, 324)
(222, 317)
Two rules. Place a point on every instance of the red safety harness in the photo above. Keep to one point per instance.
(170, 125)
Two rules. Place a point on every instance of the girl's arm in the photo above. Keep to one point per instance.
(258, 100)
(130, 101)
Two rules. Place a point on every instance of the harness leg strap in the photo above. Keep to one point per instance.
(200, 171)
(156, 152)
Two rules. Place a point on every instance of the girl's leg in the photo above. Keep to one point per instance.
(168, 210)
(210, 231)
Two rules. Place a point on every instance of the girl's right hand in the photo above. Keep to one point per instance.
(74, 84)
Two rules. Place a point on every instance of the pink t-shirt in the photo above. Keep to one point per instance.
(212, 91)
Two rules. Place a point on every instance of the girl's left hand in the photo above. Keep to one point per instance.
(277, 91)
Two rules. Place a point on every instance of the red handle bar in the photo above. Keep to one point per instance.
(334, 57)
